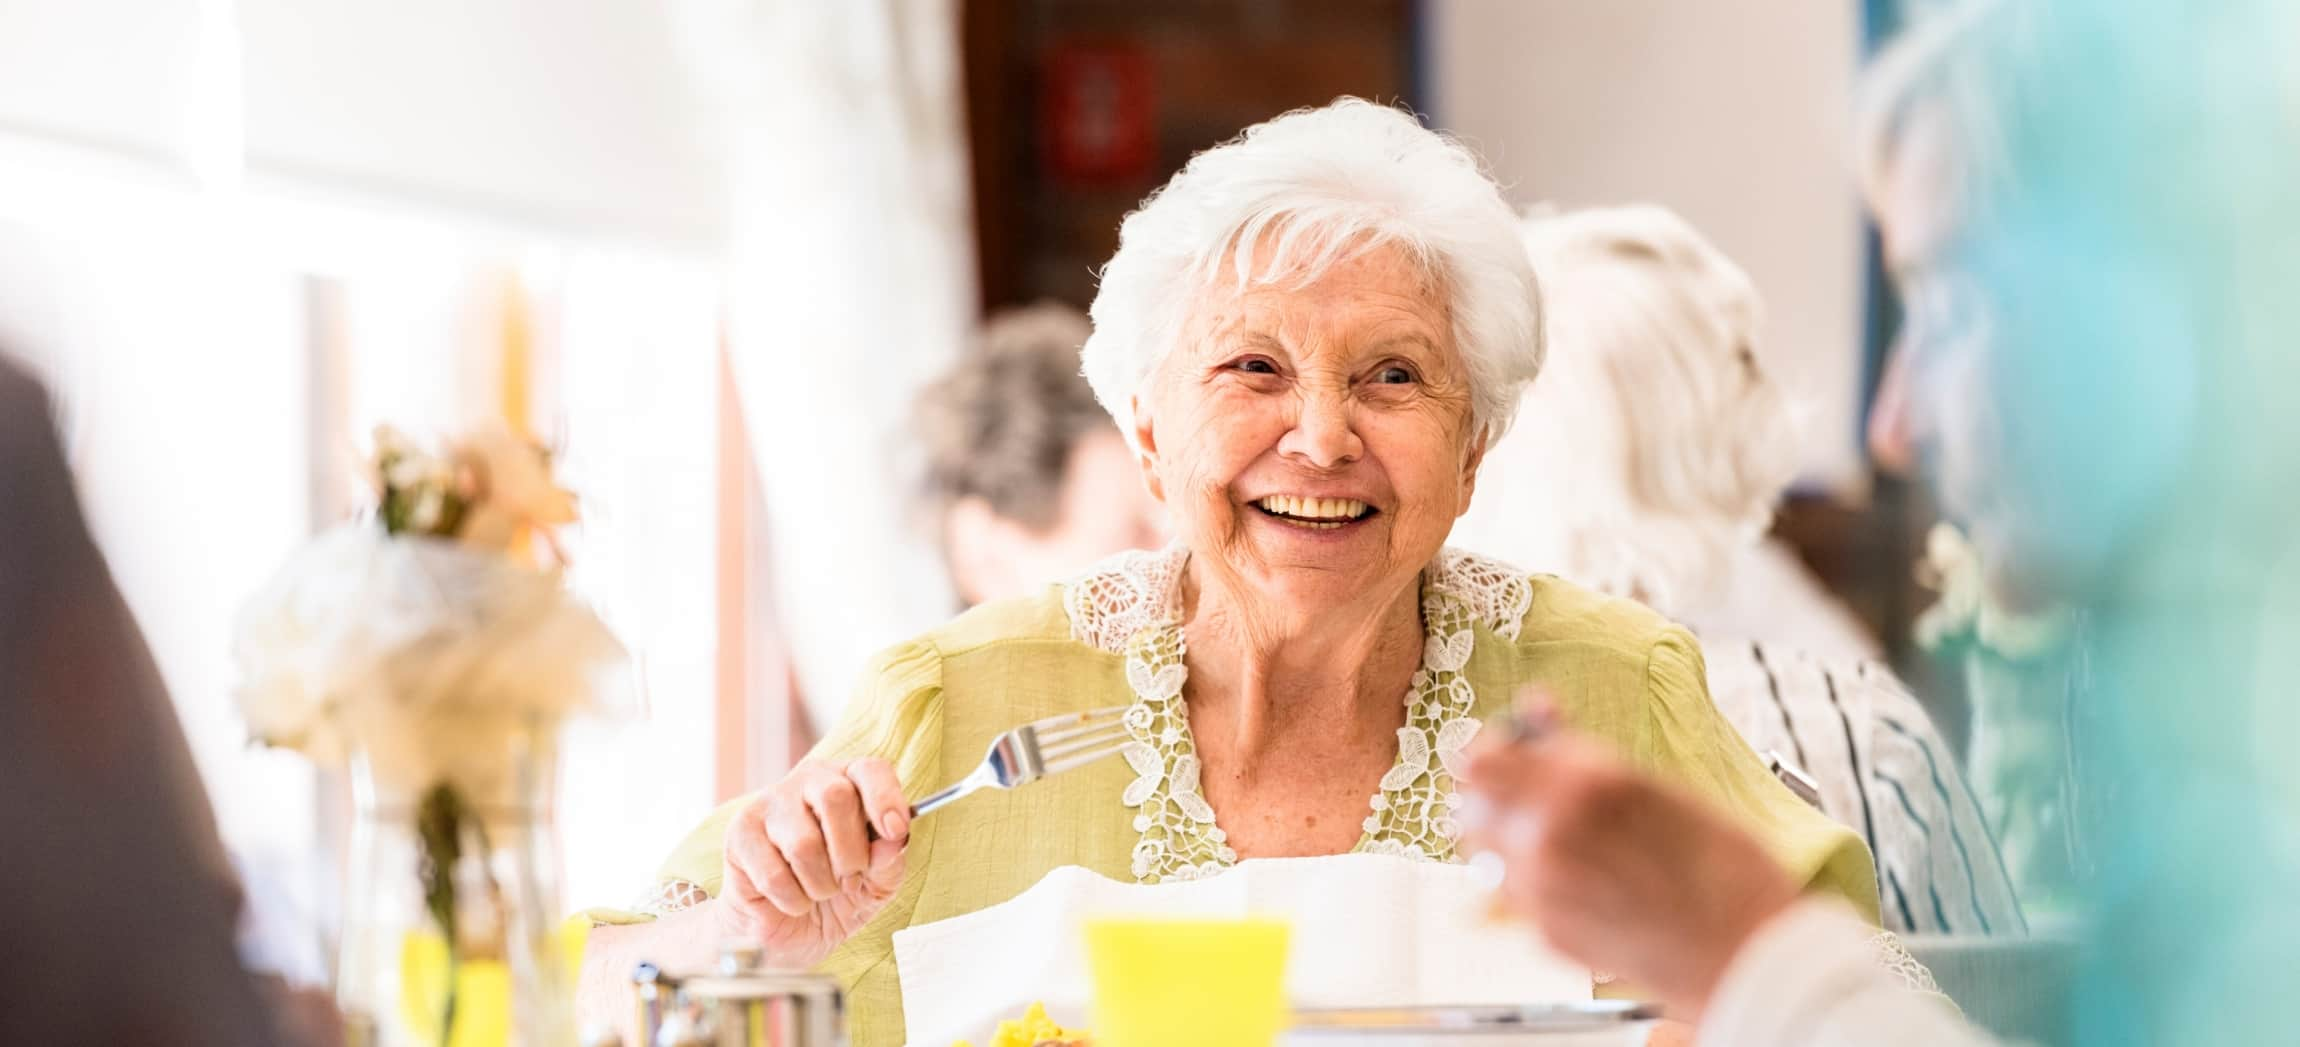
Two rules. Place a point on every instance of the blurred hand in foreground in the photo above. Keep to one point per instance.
(1617, 870)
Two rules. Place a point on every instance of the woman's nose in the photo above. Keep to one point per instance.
(1322, 436)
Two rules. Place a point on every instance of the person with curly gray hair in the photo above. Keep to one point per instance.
(1027, 482)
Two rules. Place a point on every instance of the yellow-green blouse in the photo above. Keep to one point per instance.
(930, 706)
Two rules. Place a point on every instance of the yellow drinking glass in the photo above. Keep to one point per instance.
(1210, 983)
(482, 987)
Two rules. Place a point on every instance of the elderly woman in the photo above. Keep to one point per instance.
(1028, 481)
(1647, 464)
(1308, 337)
(1652, 455)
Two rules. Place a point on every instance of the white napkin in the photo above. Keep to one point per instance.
(1368, 930)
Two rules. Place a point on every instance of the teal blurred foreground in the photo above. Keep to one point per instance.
(2140, 256)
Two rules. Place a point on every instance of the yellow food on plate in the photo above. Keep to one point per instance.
(1034, 1029)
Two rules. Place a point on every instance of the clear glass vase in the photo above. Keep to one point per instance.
(451, 933)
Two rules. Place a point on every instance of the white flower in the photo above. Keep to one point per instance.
(1149, 770)
(1155, 685)
(1413, 759)
(1455, 696)
(1185, 792)
(1138, 718)
(1447, 654)
(1141, 823)
(1146, 855)
(427, 655)
(1453, 737)
(1372, 824)
(1170, 737)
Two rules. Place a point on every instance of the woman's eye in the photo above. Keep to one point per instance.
(1394, 374)
(1256, 365)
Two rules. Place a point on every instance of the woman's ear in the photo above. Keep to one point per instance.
(1146, 447)
(1469, 468)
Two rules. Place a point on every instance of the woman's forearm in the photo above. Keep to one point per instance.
(683, 942)
(1811, 976)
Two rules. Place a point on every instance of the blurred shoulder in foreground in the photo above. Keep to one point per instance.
(116, 894)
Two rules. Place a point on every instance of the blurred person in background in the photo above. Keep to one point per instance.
(1027, 479)
(1647, 463)
(117, 903)
(1651, 457)
(1928, 147)
(2113, 427)
(1308, 337)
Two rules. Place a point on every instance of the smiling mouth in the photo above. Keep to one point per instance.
(1318, 514)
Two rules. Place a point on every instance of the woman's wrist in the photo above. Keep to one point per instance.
(683, 942)
(1790, 964)
(1718, 950)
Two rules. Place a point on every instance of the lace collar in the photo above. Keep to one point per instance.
(1130, 606)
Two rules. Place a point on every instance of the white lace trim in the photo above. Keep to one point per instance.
(1495, 593)
(1131, 606)
(670, 896)
(1179, 838)
(1415, 813)
(1124, 595)
(1896, 958)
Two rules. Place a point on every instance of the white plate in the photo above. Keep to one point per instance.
(1556, 1024)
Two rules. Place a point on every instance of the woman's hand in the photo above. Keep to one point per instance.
(1619, 871)
(803, 872)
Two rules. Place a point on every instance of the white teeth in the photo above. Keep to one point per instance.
(1323, 511)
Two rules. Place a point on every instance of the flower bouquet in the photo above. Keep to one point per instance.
(431, 648)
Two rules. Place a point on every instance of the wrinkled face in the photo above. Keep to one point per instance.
(1315, 442)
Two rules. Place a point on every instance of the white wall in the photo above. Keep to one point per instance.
(573, 117)
(1736, 115)
(108, 71)
(171, 171)
(571, 113)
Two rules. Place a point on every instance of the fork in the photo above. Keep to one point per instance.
(1036, 751)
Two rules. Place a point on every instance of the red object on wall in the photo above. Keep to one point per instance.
(1099, 113)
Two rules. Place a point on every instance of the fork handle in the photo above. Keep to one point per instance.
(941, 798)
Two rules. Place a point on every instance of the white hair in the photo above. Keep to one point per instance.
(1299, 193)
(1655, 446)
(1953, 57)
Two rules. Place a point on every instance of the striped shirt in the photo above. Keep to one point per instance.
(1882, 769)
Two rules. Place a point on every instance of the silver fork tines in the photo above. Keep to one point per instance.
(1037, 749)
